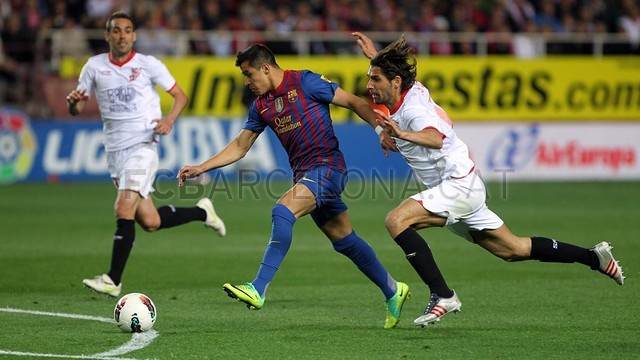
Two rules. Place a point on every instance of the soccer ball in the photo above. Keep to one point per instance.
(135, 312)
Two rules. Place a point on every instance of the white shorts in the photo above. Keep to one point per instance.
(462, 202)
(134, 168)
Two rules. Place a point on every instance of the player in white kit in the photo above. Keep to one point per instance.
(455, 195)
(124, 84)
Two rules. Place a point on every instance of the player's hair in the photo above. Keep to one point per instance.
(397, 59)
(119, 15)
(257, 55)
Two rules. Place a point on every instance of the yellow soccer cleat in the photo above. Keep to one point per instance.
(245, 293)
(394, 305)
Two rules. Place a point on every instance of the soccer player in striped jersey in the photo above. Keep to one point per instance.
(295, 105)
(124, 84)
(455, 196)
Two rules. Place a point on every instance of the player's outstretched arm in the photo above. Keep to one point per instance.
(366, 45)
(363, 110)
(231, 153)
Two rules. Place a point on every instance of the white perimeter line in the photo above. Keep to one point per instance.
(93, 357)
(70, 316)
(137, 342)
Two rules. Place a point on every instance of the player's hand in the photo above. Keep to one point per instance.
(365, 44)
(75, 96)
(163, 127)
(390, 126)
(386, 141)
(187, 172)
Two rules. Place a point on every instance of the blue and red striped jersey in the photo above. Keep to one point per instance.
(298, 113)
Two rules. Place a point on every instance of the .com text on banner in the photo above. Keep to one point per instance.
(469, 88)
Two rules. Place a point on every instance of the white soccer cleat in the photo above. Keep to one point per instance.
(104, 285)
(608, 265)
(437, 308)
(213, 220)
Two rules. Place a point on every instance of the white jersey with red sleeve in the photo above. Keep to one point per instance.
(127, 96)
(417, 111)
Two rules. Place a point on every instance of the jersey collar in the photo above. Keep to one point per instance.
(404, 93)
(123, 62)
(280, 89)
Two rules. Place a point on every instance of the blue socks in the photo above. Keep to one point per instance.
(282, 220)
(356, 249)
(352, 246)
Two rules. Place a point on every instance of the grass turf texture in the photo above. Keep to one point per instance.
(319, 305)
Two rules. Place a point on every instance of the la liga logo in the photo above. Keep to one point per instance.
(18, 146)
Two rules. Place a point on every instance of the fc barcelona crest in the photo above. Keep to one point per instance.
(292, 96)
(279, 104)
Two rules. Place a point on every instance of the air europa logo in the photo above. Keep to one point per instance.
(514, 148)
(517, 148)
(574, 155)
(18, 146)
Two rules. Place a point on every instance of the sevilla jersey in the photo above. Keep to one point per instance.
(127, 97)
(416, 112)
(298, 113)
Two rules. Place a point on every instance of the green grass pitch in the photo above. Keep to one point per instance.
(319, 306)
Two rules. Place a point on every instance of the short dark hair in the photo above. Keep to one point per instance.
(397, 59)
(257, 55)
(119, 15)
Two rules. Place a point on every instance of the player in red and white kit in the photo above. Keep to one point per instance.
(124, 84)
(455, 196)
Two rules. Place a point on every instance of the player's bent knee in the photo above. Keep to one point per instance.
(395, 222)
(149, 226)
(391, 220)
(388, 221)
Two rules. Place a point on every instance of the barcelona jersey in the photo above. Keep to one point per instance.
(298, 113)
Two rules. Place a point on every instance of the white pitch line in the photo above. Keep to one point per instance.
(70, 316)
(137, 342)
(92, 357)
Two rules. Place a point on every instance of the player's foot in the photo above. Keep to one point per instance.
(437, 308)
(213, 221)
(104, 285)
(394, 305)
(245, 293)
(608, 265)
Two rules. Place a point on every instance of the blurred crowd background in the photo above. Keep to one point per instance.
(33, 32)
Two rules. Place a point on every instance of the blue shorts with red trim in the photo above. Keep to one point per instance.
(327, 184)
